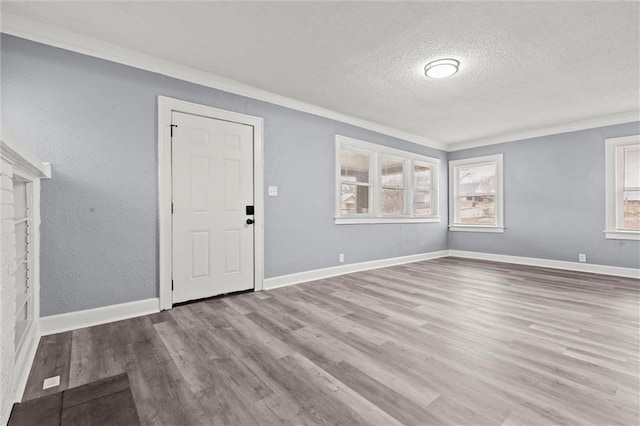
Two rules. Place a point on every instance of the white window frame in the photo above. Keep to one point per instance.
(376, 153)
(453, 194)
(614, 170)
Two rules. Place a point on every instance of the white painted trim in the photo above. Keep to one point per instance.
(591, 123)
(363, 221)
(614, 171)
(18, 154)
(165, 107)
(75, 42)
(453, 193)
(376, 153)
(318, 274)
(622, 235)
(548, 263)
(25, 360)
(27, 352)
(27, 166)
(89, 317)
(467, 228)
(47, 34)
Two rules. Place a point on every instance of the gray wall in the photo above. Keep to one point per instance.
(95, 121)
(554, 189)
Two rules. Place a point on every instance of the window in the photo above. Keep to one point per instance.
(623, 188)
(393, 187)
(476, 201)
(377, 184)
(355, 187)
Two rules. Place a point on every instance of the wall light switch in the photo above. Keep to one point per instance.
(273, 191)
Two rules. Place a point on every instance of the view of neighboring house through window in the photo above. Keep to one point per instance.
(355, 187)
(623, 187)
(476, 194)
(378, 184)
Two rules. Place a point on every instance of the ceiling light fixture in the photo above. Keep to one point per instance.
(442, 68)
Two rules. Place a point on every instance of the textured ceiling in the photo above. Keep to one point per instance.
(523, 65)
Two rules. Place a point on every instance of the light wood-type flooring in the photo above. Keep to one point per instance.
(446, 341)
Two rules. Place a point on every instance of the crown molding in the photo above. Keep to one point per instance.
(591, 123)
(53, 36)
(57, 37)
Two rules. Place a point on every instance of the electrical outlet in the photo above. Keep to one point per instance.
(273, 191)
(341, 257)
(51, 382)
(582, 257)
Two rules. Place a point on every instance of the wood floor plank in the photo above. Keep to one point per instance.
(447, 341)
(53, 358)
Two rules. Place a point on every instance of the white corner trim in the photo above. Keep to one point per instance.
(591, 123)
(73, 320)
(75, 42)
(25, 361)
(617, 271)
(318, 274)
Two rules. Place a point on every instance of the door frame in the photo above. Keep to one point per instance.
(166, 106)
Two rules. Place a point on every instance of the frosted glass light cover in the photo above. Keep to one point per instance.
(441, 68)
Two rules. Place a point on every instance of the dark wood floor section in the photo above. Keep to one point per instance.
(445, 341)
(104, 402)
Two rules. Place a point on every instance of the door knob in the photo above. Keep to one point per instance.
(250, 221)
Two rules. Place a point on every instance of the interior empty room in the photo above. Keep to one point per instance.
(320, 212)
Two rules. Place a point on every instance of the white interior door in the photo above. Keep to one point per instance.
(212, 183)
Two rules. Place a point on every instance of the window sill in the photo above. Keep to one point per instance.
(370, 220)
(469, 228)
(622, 235)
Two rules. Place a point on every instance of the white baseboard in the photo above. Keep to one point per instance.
(73, 320)
(617, 271)
(25, 361)
(318, 274)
